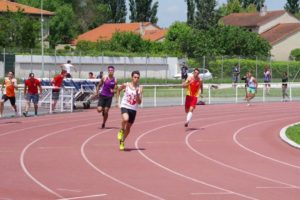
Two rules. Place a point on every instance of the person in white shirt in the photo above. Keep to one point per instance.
(67, 66)
(129, 104)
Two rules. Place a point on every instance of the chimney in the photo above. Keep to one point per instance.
(263, 10)
(142, 29)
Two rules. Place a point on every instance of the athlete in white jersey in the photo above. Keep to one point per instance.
(67, 66)
(129, 104)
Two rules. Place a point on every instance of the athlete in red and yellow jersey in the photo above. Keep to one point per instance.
(193, 85)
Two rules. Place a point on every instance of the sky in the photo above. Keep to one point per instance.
(170, 11)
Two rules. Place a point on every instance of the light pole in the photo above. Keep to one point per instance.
(42, 37)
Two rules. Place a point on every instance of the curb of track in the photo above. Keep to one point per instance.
(286, 139)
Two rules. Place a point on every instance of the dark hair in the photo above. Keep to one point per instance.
(110, 67)
(11, 72)
(69, 61)
(135, 72)
(31, 74)
(196, 69)
(91, 73)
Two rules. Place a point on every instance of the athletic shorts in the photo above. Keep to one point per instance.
(190, 101)
(11, 99)
(55, 95)
(131, 114)
(251, 90)
(32, 97)
(104, 101)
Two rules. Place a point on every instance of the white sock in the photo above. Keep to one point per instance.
(189, 117)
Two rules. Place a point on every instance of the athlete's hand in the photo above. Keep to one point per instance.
(140, 90)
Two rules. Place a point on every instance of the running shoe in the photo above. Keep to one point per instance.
(103, 126)
(122, 146)
(186, 124)
(25, 114)
(120, 134)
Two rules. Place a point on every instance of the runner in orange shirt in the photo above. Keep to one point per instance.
(193, 85)
(10, 84)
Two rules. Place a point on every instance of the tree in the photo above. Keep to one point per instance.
(292, 6)
(235, 6)
(143, 11)
(257, 3)
(180, 39)
(190, 12)
(118, 11)
(62, 26)
(206, 15)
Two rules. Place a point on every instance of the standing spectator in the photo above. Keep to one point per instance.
(10, 84)
(252, 88)
(100, 75)
(235, 74)
(91, 75)
(57, 82)
(267, 79)
(105, 90)
(184, 72)
(193, 85)
(31, 86)
(285, 80)
(67, 66)
(129, 104)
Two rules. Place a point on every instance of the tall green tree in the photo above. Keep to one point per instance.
(190, 11)
(62, 28)
(257, 3)
(143, 11)
(118, 10)
(206, 15)
(18, 30)
(235, 6)
(292, 6)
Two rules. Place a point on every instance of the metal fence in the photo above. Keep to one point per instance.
(150, 67)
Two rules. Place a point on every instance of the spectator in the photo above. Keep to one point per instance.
(100, 75)
(67, 66)
(91, 75)
(31, 86)
(235, 74)
(184, 71)
(57, 82)
(285, 80)
(10, 84)
(267, 79)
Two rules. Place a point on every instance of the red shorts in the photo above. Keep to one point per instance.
(190, 101)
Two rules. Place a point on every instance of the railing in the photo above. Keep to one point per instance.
(64, 104)
(166, 95)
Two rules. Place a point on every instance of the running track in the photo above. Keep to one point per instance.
(229, 152)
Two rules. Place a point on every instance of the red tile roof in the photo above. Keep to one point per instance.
(14, 7)
(251, 19)
(106, 31)
(280, 32)
(155, 35)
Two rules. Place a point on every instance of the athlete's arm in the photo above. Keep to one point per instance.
(99, 85)
(139, 93)
(186, 83)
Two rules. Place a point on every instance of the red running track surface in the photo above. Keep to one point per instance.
(228, 152)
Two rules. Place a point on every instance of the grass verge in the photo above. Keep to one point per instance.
(293, 133)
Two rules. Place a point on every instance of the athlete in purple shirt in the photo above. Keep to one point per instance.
(106, 90)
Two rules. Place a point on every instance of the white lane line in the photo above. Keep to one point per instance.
(84, 197)
(109, 176)
(68, 190)
(274, 187)
(210, 193)
(226, 165)
(235, 136)
(3, 198)
(22, 158)
(179, 174)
